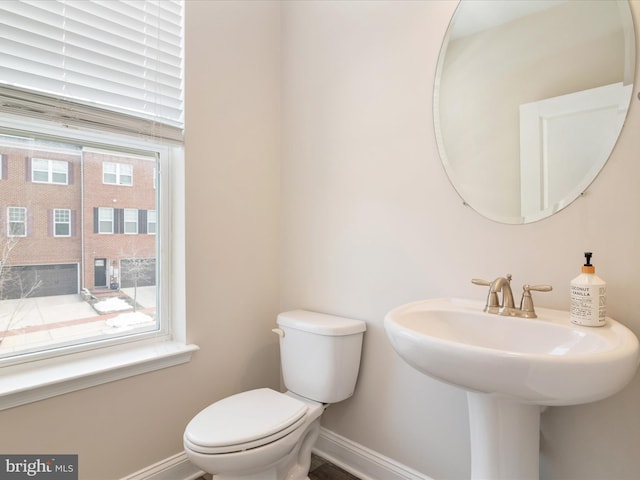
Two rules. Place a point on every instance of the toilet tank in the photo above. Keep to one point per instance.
(320, 354)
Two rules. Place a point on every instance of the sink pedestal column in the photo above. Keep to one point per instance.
(505, 438)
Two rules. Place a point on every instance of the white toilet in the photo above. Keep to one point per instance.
(267, 435)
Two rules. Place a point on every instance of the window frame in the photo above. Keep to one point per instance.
(50, 171)
(36, 376)
(133, 212)
(118, 174)
(102, 220)
(10, 221)
(55, 222)
(152, 219)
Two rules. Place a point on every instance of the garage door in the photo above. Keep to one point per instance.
(50, 280)
(142, 270)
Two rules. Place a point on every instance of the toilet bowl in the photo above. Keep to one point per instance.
(257, 432)
(263, 434)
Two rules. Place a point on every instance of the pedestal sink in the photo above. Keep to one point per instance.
(510, 368)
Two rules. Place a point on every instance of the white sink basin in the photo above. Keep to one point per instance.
(543, 361)
(509, 367)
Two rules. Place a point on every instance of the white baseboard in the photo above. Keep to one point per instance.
(346, 454)
(361, 461)
(177, 467)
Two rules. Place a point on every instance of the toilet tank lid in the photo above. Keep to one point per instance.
(320, 323)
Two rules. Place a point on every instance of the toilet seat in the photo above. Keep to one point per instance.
(244, 421)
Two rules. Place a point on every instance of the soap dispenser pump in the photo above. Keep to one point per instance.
(588, 297)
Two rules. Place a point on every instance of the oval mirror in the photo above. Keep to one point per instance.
(529, 100)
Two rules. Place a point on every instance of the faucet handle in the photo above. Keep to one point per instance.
(492, 304)
(526, 303)
(537, 288)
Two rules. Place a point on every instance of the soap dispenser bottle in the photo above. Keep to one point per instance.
(588, 297)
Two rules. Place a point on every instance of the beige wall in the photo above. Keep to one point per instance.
(365, 220)
(370, 221)
(233, 187)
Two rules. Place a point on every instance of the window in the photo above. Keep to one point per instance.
(17, 221)
(130, 220)
(151, 222)
(121, 94)
(105, 220)
(117, 173)
(49, 171)
(61, 222)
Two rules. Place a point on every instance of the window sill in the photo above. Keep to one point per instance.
(30, 382)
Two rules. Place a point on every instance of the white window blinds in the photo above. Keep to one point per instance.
(92, 57)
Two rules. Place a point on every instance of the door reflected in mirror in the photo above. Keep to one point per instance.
(529, 101)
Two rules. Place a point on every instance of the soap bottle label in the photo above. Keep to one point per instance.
(588, 304)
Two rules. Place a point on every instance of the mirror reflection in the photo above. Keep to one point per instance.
(529, 100)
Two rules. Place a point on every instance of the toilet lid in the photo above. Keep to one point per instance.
(233, 422)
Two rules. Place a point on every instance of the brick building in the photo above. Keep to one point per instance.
(74, 218)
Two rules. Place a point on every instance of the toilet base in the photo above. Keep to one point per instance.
(294, 466)
(297, 464)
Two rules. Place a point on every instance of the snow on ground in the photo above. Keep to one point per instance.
(113, 304)
(124, 321)
(128, 320)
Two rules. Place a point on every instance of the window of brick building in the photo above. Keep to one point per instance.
(16, 222)
(86, 294)
(130, 220)
(117, 173)
(151, 222)
(49, 171)
(105, 220)
(62, 222)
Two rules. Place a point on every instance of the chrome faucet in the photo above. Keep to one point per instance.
(506, 306)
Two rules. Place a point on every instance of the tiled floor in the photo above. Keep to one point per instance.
(320, 470)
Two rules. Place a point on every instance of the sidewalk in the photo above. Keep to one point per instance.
(31, 323)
